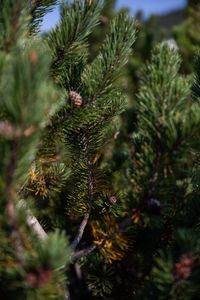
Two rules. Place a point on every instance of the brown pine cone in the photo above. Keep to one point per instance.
(75, 98)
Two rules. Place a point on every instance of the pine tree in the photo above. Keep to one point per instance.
(56, 114)
(159, 184)
(32, 262)
(187, 35)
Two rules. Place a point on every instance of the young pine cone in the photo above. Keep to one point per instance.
(113, 199)
(75, 98)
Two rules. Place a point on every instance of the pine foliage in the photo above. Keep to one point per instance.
(29, 267)
(119, 205)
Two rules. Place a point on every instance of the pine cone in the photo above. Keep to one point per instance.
(113, 199)
(75, 98)
(184, 267)
(104, 20)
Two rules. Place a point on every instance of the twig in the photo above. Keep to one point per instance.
(82, 253)
(32, 221)
(77, 270)
(67, 295)
(30, 218)
(80, 232)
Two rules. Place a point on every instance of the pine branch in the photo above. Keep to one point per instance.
(12, 18)
(68, 43)
(112, 57)
(85, 147)
(38, 8)
(196, 84)
(85, 144)
(84, 252)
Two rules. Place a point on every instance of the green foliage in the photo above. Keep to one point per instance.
(29, 268)
(61, 98)
(85, 129)
(163, 102)
(99, 33)
(52, 250)
(196, 84)
(187, 35)
(68, 40)
(162, 274)
(158, 184)
(100, 284)
(13, 23)
(167, 119)
(21, 99)
(113, 56)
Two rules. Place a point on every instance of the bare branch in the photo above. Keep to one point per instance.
(32, 221)
(80, 231)
(82, 253)
(67, 295)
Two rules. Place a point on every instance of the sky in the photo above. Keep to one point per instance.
(147, 6)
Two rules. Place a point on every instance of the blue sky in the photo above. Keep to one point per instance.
(147, 6)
